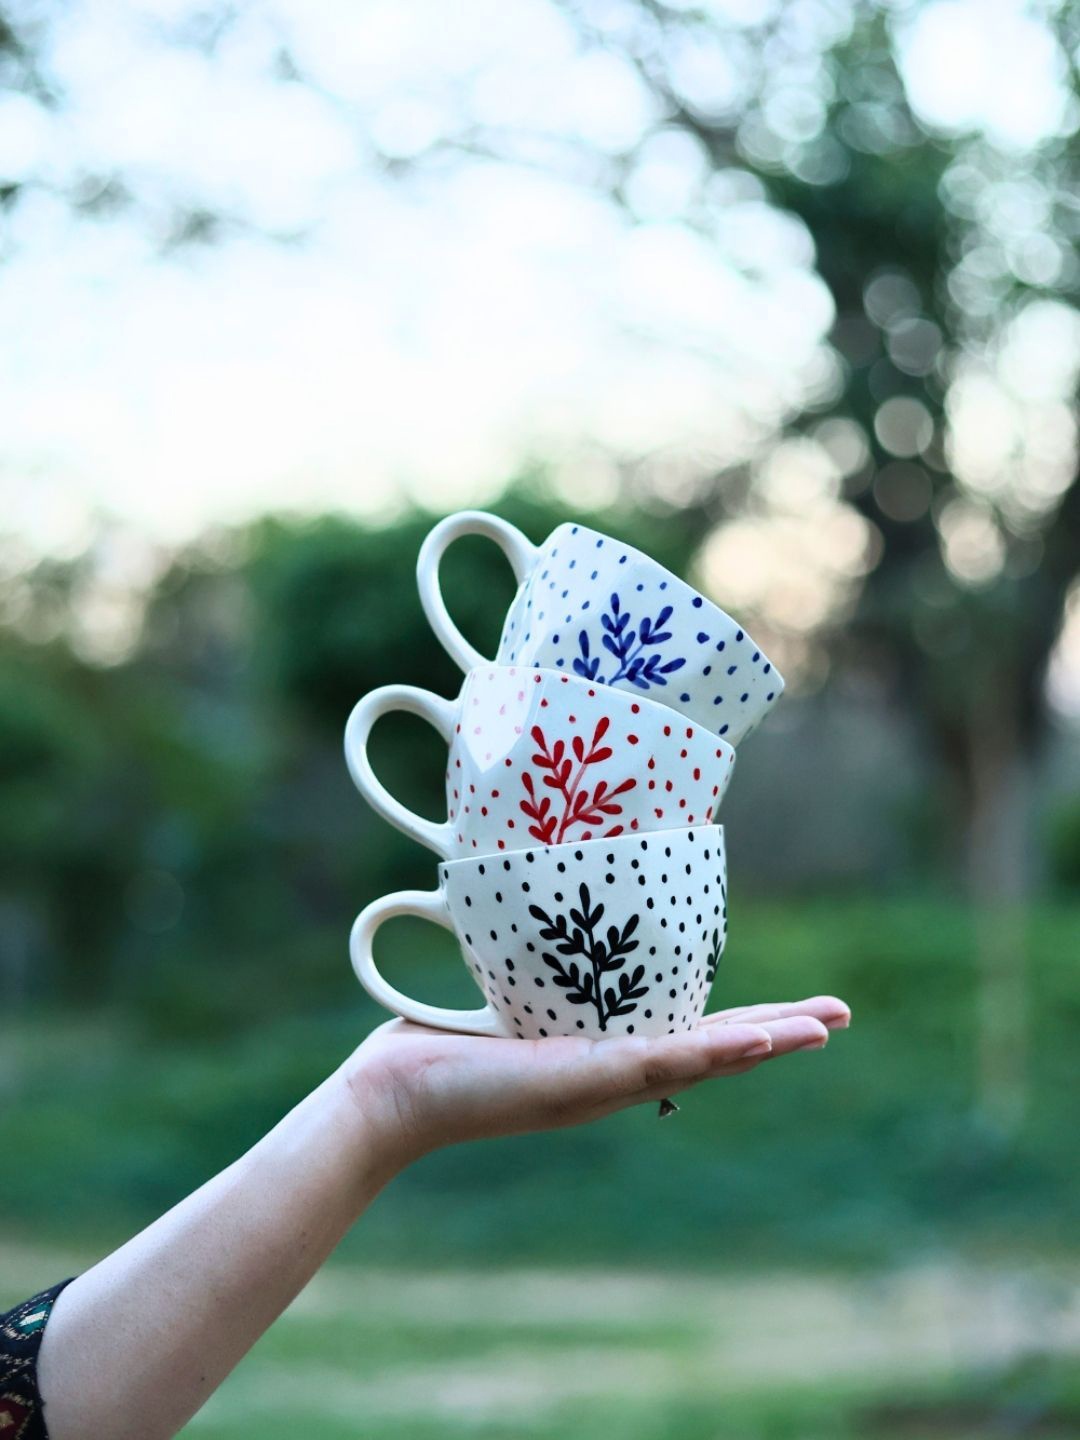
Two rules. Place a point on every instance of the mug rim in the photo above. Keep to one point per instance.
(683, 586)
(647, 836)
(624, 697)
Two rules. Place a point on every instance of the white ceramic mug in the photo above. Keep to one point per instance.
(598, 609)
(610, 937)
(536, 757)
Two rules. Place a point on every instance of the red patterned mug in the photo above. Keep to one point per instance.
(536, 757)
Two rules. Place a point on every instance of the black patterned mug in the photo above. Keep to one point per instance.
(610, 937)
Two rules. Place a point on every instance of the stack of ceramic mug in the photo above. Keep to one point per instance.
(581, 865)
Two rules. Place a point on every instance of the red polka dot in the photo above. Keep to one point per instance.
(697, 773)
(509, 824)
(483, 809)
(682, 804)
(659, 814)
(634, 708)
(494, 794)
(592, 692)
(682, 754)
(689, 733)
(633, 824)
(668, 786)
(667, 729)
(652, 762)
(716, 789)
(507, 761)
(502, 844)
(573, 719)
(652, 784)
(632, 739)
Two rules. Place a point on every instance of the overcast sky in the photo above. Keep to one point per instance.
(428, 335)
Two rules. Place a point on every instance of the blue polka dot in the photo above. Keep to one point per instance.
(554, 639)
(766, 670)
(707, 670)
(594, 575)
(573, 529)
(539, 614)
(719, 700)
(756, 655)
(567, 620)
(698, 602)
(744, 698)
(641, 587)
(560, 662)
(663, 584)
(545, 574)
(554, 553)
(599, 543)
(703, 639)
(572, 564)
(721, 645)
(771, 695)
(684, 698)
(585, 606)
(731, 669)
(565, 593)
(622, 559)
(738, 634)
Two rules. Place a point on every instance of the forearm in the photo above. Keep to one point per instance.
(138, 1343)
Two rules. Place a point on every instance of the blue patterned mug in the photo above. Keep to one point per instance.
(593, 607)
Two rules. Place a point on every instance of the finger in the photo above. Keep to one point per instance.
(798, 1032)
(831, 1011)
(616, 1072)
(788, 1036)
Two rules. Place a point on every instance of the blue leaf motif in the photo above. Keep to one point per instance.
(625, 644)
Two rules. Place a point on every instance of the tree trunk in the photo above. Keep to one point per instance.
(999, 884)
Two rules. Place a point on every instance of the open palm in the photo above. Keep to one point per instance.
(440, 1088)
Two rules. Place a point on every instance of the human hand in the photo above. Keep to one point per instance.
(425, 1088)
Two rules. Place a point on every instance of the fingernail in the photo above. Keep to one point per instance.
(841, 1022)
(818, 1043)
(758, 1047)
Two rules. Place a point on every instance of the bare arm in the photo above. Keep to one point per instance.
(137, 1344)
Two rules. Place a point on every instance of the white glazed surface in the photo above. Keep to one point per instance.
(601, 610)
(590, 606)
(536, 757)
(610, 937)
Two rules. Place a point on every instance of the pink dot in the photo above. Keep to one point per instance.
(476, 731)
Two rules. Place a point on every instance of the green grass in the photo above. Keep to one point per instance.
(855, 1155)
(939, 1352)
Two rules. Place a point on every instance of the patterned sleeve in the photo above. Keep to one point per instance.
(21, 1329)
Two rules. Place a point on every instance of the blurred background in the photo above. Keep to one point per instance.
(785, 293)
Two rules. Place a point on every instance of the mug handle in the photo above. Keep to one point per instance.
(440, 714)
(426, 905)
(518, 549)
